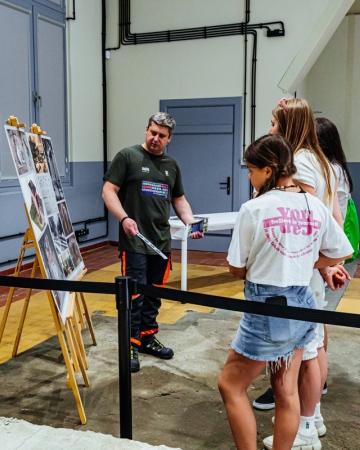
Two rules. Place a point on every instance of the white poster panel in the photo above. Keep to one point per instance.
(60, 225)
(35, 164)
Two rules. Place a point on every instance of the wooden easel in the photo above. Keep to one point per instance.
(75, 361)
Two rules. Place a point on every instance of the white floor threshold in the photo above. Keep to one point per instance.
(21, 435)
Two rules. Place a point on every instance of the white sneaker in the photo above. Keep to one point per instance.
(319, 425)
(303, 441)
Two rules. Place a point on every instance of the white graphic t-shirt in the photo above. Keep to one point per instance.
(343, 189)
(309, 172)
(278, 236)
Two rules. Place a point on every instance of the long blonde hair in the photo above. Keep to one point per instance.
(297, 125)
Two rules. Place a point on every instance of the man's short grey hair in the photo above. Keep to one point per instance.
(163, 120)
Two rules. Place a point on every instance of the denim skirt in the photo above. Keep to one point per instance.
(265, 338)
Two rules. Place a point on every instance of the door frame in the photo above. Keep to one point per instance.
(239, 194)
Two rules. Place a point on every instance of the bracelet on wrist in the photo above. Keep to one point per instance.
(124, 218)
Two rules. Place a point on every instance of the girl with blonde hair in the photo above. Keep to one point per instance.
(294, 120)
(278, 238)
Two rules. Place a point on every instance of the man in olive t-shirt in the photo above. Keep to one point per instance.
(140, 186)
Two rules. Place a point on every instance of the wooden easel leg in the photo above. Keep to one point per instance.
(81, 316)
(78, 354)
(70, 340)
(24, 311)
(6, 312)
(78, 336)
(12, 289)
(88, 318)
(75, 340)
(71, 380)
(71, 376)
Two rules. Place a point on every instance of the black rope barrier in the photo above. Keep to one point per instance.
(49, 284)
(231, 304)
(125, 287)
(264, 309)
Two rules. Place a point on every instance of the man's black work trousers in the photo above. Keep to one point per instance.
(146, 269)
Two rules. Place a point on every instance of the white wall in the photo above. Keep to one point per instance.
(332, 85)
(85, 82)
(139, 76)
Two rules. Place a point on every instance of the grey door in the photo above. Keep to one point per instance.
(206, 143)
(33, 74)
(50, 77)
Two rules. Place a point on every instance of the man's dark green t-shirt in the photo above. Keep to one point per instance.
(147, 185)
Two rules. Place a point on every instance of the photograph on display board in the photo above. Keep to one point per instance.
(65, 219)
(61, 301)
(48, 194)
(67, 263)
(27, 150)
(34, 202)
(20, 151)
(54, 173)
(53, 269)
(74, 250)
(38, 154)
(37, 211)
(57, 233)
(52, 264)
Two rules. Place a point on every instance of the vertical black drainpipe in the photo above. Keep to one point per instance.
(103, 61)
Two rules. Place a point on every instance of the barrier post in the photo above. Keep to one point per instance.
(123, 305)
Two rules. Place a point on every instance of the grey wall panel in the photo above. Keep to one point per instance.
(113, 228)
(84, 194)
(15, 75)
(83, 198)
(51, 79)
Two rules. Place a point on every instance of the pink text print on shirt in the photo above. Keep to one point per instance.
(297, 223)
(153, 189)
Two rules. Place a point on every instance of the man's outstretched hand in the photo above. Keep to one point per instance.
(196, 235)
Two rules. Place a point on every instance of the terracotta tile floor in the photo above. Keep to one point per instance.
(101, 257)
(103, 264)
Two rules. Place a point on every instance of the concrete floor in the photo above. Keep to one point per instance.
(175, 403)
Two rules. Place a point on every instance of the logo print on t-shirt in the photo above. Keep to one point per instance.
(166, 173)
(298, 223)
(152, 189)
(145, 169)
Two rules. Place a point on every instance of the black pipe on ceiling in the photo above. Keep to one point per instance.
(128, 38)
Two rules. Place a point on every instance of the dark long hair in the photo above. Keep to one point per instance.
(275, 152)
(330, 143)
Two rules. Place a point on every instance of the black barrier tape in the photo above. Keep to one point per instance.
(59, 285)
(212, 301)
(286, 312)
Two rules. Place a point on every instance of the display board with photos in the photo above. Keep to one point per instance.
(44, 198)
